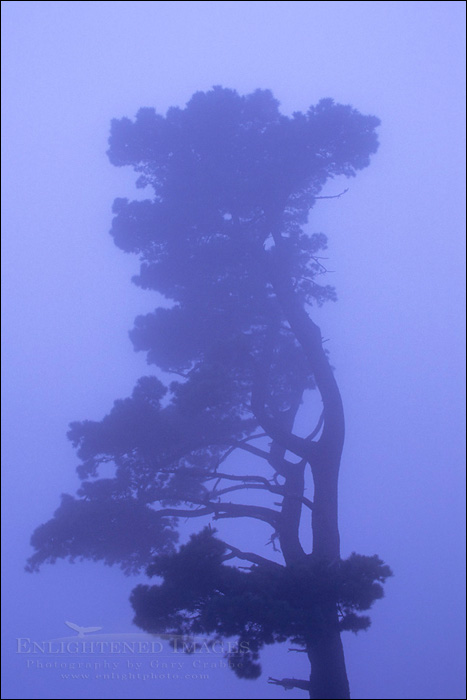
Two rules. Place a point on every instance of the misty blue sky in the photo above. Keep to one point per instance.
(396, 334)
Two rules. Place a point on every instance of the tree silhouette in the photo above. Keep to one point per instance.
(223, 240)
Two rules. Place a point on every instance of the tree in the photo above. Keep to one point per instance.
(223, 240)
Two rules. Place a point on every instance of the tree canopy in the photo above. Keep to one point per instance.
(224, 239)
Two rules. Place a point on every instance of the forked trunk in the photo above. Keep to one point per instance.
(328, 677)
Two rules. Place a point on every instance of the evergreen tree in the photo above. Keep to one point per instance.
(223, 239)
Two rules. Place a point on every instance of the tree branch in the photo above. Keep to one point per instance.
(184, 513)
(273, 489)
(236, 510)
(290, 683)
(235, 477)
(240, 487)
(333, 196)
(288, 440)
(251, 556)
(254, 450)
(225, 510)
(308, 335)
(254, 437)
(243, 444)
(319, 424)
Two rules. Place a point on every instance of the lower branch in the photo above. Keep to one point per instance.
(272, 489)
(290, 683)
(251, 556)
(224, 510)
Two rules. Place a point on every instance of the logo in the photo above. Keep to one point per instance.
(82, 630)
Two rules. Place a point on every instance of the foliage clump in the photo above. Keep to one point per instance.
(267, 604)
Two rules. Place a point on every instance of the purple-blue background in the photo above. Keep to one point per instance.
(396, 333)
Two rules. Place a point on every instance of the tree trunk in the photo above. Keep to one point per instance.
(328, 677)
(326, 542)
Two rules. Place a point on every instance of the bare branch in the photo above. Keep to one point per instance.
(234, 477)
(250, 556)
(236, 510)
(334, 196)
(224, 510)
(254, 450)
(255, 436)
(272, 541)
(184, 513)
(273, 489)
(225, 455)
(290, 683)
(243, 444)
(315, 432)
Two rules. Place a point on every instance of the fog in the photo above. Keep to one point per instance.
(396, 333)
